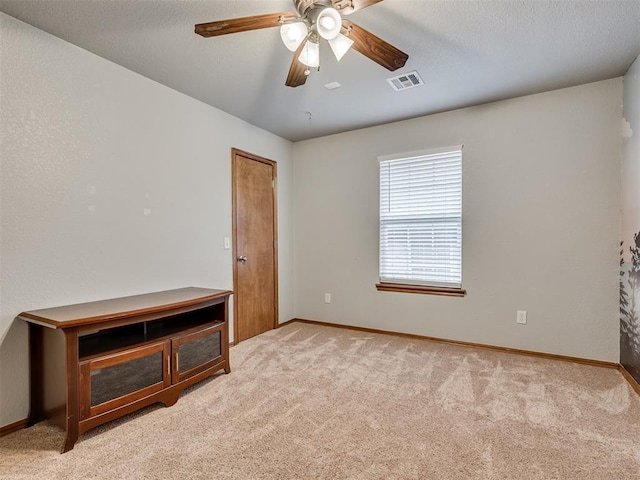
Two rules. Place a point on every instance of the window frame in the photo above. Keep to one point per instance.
(421, 287)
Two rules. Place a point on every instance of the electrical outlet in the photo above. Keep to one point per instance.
(521, 317)
(327, 298)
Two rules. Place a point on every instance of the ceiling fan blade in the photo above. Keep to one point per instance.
(374, 47)
(243, 24)
(347, 7)
(297, 75)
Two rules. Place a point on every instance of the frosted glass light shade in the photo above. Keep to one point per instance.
(340, 45)
(310, 54)
(329, 23)
(293, 34)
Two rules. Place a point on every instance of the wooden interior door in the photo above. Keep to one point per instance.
(255, 245)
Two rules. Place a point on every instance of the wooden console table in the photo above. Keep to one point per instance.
(94, 362)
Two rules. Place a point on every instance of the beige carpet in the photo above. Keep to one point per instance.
(311, 402)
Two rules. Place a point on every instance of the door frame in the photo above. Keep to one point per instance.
(234, 207)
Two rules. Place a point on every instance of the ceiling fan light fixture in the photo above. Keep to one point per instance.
(302, 32)
(293, 34)
(310, 54)
(329, 23)
(340, 45)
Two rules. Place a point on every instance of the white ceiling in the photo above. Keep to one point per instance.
(467, 52)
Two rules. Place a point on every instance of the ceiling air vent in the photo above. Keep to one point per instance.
(405, 81)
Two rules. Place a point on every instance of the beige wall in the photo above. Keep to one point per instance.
(87, 146)
(630, 166)
(630, 169)
(541, 183)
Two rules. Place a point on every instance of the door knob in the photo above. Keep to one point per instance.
(242, 259)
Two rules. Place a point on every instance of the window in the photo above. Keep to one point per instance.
(421, 222)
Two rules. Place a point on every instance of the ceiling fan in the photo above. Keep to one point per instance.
(301, 33)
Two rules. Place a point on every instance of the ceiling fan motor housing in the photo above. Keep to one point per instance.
(311, 7)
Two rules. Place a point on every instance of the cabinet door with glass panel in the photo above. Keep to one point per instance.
(196, 352)
(113, 380)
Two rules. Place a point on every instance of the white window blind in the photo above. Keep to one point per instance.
(421, 218)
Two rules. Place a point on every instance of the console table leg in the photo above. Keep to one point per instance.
(170, 399)
(69, 441)
(73, 400)
(36, 393)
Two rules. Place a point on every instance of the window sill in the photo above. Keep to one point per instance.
(399, 287)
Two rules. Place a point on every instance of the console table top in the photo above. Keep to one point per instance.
(116, 308)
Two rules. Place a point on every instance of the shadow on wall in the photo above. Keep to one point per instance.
(630, 308)
(14, 373)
